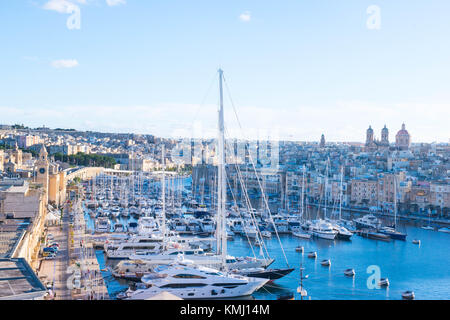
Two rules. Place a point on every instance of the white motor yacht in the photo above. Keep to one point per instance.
(189, 281)
(102, 225)
(368, 221)
(324, 230)
(301, 234)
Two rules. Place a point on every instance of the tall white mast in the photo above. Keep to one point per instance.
(221, 185)
(163, 182)
(340, 195)
(303, 192)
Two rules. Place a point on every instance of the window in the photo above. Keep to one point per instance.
(188, 276)
(183, 285)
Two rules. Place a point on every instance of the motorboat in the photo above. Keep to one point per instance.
(190, 281)
(133, 227)
(102, 225)
(325, 263)
(250, 231)
(132, 269)
(416, 241)
(271, 274)
(349, 272)
(394, 234)
(444, 229)
(368, 221)
(147, 226)
(408, 295)
(301, 234)
(312, 255)
(299, 249)
(367, 233)
(119, 227)
(342, 232)
(323, 230)
(384, 282)
(266, 234)
(132, 246)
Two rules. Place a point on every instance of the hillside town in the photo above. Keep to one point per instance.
(41, 171)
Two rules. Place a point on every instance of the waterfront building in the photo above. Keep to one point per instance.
(364, 191)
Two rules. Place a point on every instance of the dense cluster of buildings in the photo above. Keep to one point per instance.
(373, 173)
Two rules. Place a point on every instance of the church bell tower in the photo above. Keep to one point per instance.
(42, 166)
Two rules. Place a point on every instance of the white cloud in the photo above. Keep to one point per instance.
(245, 17)
(65, 63)
(63, 6)
(112, 3)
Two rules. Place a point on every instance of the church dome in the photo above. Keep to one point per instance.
(403, 131)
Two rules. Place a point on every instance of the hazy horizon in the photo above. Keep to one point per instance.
(295, 69)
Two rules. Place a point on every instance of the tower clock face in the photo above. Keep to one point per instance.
(42, 170)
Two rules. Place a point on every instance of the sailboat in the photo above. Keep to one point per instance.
(299, 233)
(322, 228)
(429, 227)
(342, 232)
(190, 281)
(392, 231)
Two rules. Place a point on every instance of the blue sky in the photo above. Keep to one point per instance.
(295, 68)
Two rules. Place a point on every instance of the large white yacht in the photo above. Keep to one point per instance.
(147, 226)
(368, 221)
(323, 230)
(102, 225)
(132, 246)
(189, 281)
(200, 257)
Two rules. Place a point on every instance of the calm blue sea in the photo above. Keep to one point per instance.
(422, 268)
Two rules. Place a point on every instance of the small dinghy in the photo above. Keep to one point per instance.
(350, 272)
(266, 234)
(408, 295)
(445, 229)
(416, 241)
(299, 249)
(312, 255)
(326, 263)
(384, 282)
(301, 235)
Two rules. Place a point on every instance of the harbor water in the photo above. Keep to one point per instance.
(420, 268)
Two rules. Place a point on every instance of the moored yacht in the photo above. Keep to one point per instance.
(324, 230)
(189, 281)
(102, 225)
(368, 221)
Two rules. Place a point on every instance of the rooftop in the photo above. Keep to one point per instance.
(18, 281)
(11, 231)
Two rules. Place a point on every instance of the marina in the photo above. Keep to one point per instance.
(345, 275)
(195, 240)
